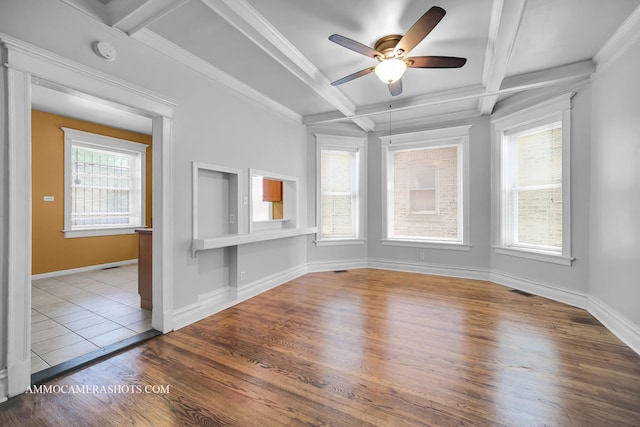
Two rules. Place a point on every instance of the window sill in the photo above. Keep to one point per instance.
(339, 242)
(450, 246)
(535, 255)
(73, 234)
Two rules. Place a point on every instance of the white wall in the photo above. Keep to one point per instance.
(615, 187)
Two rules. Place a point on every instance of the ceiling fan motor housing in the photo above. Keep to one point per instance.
(387, 44)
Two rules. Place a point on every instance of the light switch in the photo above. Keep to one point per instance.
(49, 198)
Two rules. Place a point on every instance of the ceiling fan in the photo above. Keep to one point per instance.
(391, 53)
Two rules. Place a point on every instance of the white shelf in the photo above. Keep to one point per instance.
(241, 239)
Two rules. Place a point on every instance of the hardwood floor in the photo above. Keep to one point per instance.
(366, 347)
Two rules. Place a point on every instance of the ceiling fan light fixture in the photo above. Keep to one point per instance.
(390, 70)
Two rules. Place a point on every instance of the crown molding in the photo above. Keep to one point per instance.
(190, 60)
(624, 37)
(422, 122)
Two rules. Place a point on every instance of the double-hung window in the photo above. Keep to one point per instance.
(104, 184)
(425, 189)
(532, 176)
(340, 189)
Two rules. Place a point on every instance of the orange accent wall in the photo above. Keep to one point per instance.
(51, 251)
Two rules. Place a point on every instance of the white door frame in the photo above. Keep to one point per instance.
(24, 61)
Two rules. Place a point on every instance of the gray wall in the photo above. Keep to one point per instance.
(480, 206)
(574, 278)
(212, 124)
(615, 187)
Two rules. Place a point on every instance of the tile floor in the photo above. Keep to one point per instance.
(75, 314)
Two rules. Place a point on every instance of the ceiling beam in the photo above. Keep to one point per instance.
(198, 64)
(506, 17)
(131, 17)
(242, 16)
(559, 76)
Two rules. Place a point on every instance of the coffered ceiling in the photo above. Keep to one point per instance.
(278, 51)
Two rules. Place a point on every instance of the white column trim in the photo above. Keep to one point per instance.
(19, 233)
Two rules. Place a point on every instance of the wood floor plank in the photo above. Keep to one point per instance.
(364, 348)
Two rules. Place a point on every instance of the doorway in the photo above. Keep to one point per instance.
(24, 63)
(85, 288)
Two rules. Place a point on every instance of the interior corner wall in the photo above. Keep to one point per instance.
(565, 283)
(333, 256)
(473, 263)
(51, 251)
(615, 187)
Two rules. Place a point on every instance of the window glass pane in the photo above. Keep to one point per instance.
(540, 217)
(338, 193)
(425, 193)
(537, 207)
(102, 188)
(540, 157)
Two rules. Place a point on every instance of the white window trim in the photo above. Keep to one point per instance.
(92, 140)
(457, 135)
(343, 143)
(556, 109)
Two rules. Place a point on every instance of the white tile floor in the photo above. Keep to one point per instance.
(75, 314)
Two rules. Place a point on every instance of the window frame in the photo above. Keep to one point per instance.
(443, 137)
(73, 137)
(347, 144)
(557, 109)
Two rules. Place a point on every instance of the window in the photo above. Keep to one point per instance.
(340, 190)
(426, 191)
(104, 185)
(533, 173)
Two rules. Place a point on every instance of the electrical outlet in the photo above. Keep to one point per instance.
(421, 255)
(242, 275)
(232, 219)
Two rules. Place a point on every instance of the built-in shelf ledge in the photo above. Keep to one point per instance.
(241, 239)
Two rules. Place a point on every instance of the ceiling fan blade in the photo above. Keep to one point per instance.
(420, 29)
(354, 46)
(435, 62)
(395, 88)
(353, 76)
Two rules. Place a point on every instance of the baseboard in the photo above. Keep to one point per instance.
(257, 287)
(321, 266)
(18, 376)
(208, 304)
(228, 296)
(436, 270)
(83, 269)
(626, 331)
(4, 386)
(573, 298)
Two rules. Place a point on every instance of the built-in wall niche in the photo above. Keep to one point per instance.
(274, 201)
(217, 198)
